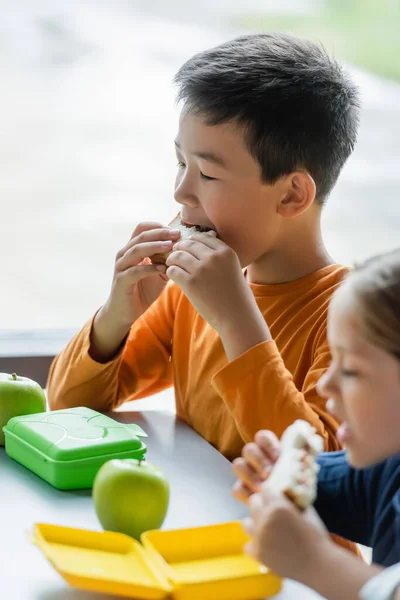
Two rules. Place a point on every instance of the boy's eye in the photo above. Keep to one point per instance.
(181, 165)
(206, 177)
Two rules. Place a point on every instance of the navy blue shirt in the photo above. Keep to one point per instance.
(362, 505)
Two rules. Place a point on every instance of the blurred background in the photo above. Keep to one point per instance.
(88, 121)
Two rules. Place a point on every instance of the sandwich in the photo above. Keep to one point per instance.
(295, 472)
(186, 232)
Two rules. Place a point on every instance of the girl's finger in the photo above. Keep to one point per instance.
(249, 527)
(269, 444)
(246, 474)
(257, 459)
(241, 492)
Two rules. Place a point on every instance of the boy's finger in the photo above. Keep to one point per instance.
(211, 241)
(193, 247)
(156, 235)
(146, 226)
(257, 459)
(269, 444)
(137, 253)
(246, 474)
(159, 234)
(141, 271)
(185, 261)
(178, 275)
(241, 492)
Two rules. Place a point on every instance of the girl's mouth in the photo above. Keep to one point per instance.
(344, 434)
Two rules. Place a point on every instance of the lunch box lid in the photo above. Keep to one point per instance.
(201, 560)
(76, 434)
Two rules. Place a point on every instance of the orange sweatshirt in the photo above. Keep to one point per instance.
(267, 387)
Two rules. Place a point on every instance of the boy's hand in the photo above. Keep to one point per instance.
(286, 540)
(135, 286)
(136, 282)
(255, 465)
(209, 273)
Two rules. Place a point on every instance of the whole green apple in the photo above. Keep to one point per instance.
(130, 496)
(18, 396)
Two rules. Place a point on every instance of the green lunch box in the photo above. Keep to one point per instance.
(67, 447)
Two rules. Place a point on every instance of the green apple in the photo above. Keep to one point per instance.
(18, 396)
(130, 496)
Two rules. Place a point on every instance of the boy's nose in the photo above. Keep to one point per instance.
(185, 198)
(184, 190)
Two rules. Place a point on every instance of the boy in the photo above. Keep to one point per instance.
(267, 123)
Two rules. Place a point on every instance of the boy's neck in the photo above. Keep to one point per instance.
(301, 253)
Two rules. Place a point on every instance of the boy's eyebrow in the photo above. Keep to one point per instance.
(210, 156)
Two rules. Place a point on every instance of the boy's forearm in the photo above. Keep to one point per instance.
(106, 336)
(338, 574)
(75, 379)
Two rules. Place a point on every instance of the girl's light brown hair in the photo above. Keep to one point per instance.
(376, 288)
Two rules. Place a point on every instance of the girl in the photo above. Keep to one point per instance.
(358, 490)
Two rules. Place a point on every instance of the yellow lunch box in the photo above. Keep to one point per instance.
(201, 563)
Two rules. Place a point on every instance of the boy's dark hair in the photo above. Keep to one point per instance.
(297, 106)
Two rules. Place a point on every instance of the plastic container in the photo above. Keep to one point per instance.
(202, 563)
(66, 448)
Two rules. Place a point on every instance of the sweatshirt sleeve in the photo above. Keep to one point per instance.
(360, 504)
(141, 368)
(260, 374)
(342, 499)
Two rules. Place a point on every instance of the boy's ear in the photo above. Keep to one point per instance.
(298, 196)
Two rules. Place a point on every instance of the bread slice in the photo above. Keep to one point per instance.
(186, 232)
(295, 472)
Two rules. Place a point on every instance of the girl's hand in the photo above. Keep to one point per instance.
(255, 465)
(284, 539)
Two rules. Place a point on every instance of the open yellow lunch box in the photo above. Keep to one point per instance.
(203, 563)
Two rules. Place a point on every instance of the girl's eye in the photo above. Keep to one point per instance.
(348, 373)
(206, 178)
(180, 164)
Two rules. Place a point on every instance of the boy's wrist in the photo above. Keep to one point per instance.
(240, 332)
(109, 319)
(106, 336)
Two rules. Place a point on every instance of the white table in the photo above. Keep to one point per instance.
(200, 479)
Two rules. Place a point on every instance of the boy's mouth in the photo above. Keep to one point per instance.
(199, 228)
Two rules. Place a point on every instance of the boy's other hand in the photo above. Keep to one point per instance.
(255, 464)
(286, 540)
(136, 284)
(209, 273)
